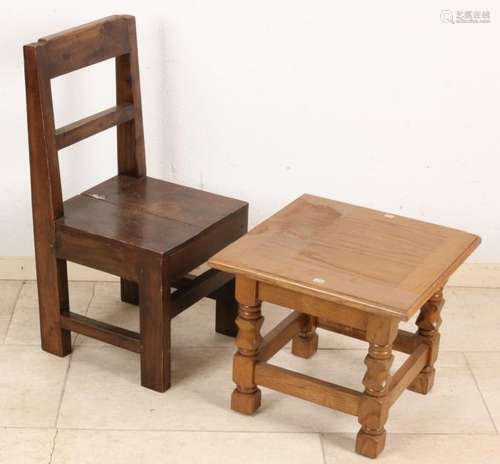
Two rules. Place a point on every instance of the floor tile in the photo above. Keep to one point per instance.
(9, 291)
(24, 328)
(195, 327)
(89, 447)
(103, 392)
(438, 411)
(428, 449)
(26, 446)
(31, 386)
(470, 320)
(486, 370)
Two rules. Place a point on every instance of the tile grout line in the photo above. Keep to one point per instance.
(23, 283)
(63, 391)
(66, 374)
(53, 446)
(87, 309)
(480, 391)
(322, 444)
(254, 432)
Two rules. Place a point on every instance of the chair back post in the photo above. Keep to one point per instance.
(46, 189)
(46, 195)
(130, 135)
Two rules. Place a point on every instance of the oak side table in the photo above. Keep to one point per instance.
(350, 270)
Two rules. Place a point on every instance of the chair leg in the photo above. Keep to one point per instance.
(154, 328)
(53, 299)
(226, 310)
(129, 291)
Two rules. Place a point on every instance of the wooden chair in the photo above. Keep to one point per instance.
(149, 232)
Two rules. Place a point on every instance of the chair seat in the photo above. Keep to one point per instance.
(146, 213)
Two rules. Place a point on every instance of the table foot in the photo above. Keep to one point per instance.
(305, 347)
(245, 403)
(370, 445)
(424, 381)
(305, 343)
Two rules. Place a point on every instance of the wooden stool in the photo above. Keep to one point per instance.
(149, 232)
(350, 270)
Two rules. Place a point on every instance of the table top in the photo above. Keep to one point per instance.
(371, 260)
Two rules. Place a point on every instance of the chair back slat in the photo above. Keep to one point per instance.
(86, 45)
(86, 127)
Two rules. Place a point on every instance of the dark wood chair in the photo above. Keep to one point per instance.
(149, 232)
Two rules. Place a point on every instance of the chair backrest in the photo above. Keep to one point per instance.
(52, 56)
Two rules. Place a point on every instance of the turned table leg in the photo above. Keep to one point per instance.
(374, 406)
(305, 344)
(428, 323)
(246, 396)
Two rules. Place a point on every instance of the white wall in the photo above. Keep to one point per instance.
(375, 103)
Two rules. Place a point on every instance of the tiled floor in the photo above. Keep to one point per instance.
(89, 407)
